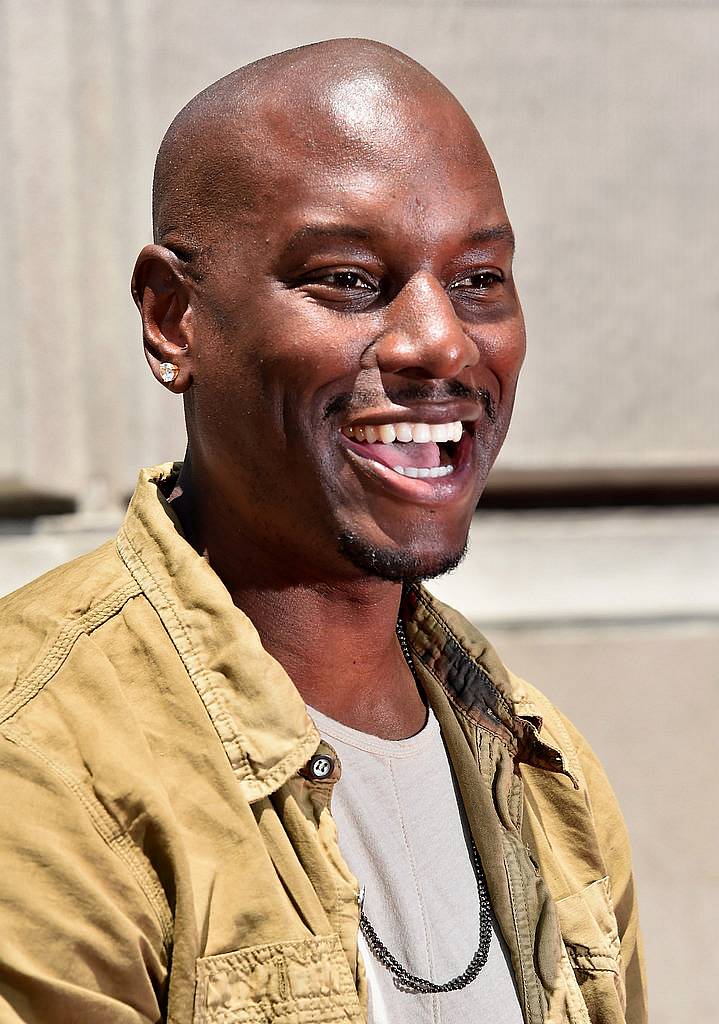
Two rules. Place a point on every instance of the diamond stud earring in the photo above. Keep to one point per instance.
(168, 372)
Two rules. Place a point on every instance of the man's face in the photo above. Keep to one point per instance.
(358, 340)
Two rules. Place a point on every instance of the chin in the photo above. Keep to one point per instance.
(398, 565)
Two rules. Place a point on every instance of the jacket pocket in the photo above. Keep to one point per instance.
(304, 982)
(589, 928)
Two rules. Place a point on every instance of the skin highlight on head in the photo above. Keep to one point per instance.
(331, 252)
(341, 102)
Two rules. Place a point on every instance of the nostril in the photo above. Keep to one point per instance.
(415, 372)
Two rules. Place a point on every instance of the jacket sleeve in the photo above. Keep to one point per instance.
(79, 938)
(614, 843)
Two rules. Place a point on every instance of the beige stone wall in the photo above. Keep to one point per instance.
(602, 121)
(601, 117)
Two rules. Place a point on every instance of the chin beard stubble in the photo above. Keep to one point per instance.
(396, 566)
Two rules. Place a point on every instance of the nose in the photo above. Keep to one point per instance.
(423, 336)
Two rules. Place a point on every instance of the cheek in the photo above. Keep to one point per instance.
(305, 346)
(503, 349)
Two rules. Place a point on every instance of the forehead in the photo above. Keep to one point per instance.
(365, 152)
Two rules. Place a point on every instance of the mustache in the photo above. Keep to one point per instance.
(412, 393)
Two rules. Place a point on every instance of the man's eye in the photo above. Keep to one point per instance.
(347, 280)
(344, 288)
(482, 281)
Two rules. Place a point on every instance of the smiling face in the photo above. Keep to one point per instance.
(355, 331)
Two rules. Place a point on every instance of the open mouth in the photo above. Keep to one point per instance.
(421, 451)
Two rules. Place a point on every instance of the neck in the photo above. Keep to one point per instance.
(336, 639)
(340, 648)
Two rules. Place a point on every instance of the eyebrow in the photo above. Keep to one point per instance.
(498, 233)
(326, 231)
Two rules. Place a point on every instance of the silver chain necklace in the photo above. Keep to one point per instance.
(403, 978)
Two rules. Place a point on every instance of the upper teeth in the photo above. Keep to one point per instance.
(420, 433)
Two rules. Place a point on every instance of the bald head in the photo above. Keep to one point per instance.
(335, 102)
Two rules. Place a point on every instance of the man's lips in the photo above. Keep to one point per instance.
(427, 471)
(410, 449)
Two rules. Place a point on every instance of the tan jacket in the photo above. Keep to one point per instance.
(164, 859)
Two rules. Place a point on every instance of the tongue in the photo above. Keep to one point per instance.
(423, 456)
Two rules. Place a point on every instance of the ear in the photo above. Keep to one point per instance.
(162, 295)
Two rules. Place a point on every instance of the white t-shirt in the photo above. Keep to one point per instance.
(402, 832)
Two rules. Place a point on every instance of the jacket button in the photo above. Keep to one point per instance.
(320, 767)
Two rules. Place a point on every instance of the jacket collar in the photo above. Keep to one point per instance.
(242, 686)
(479, 687)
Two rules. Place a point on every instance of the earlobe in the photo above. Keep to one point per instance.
(169, 372)
(162, 296)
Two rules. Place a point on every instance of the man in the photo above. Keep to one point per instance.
(190, 711)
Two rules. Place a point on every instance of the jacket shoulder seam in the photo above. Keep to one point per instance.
(72, 629)
(118, 839)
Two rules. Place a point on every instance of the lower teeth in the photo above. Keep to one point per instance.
(422, 472)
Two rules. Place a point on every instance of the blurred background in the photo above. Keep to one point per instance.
(594, 564)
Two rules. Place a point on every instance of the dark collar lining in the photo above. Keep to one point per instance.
(469, 685)
(465, 681)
